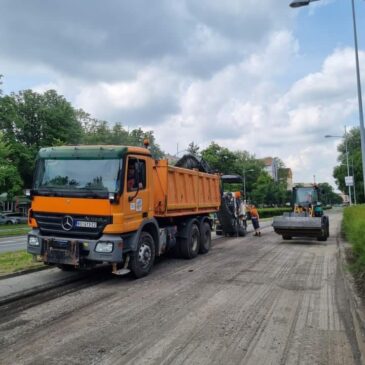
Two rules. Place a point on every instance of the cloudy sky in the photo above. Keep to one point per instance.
(247, 74)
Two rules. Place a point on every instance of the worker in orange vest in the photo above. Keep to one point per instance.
(255, 220)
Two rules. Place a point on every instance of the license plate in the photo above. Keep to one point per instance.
(85, 224)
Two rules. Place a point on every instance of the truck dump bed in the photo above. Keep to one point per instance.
(179, 191)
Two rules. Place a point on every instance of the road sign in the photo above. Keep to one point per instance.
(349, 180)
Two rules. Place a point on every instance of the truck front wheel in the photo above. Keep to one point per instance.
(142, 259)
(190, 246)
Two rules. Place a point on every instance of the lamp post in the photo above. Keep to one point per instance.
(347, 158)
(297, 4)
(353, 174)
(244, 181)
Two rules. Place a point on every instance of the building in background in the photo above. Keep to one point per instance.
(286, 175)
(271, 167)
(171, 158)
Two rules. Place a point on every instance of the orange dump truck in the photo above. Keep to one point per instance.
(117, 205)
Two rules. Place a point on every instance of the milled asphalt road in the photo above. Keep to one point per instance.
(248, 301)
(21, 285)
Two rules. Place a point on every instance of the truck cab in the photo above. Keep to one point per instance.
(81, 200)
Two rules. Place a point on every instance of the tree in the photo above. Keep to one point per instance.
(219, 158)
(99, 132)
(29, 121)
(10, 181)
(193, 148)
(269, 192)
(327, 195)
(137, 136)
(355, 160)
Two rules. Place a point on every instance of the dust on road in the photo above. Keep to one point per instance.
(249, 301)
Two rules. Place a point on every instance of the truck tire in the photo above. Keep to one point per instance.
(325, 229)
(242, 230)
(141, 261)
(190, 246)
(65, 267)
(205, 238)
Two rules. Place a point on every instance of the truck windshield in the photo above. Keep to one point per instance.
(98, 176)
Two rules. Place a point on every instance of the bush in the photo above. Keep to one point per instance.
(272, 212)
(353, 228)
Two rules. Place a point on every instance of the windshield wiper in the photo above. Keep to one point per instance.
(46, 191)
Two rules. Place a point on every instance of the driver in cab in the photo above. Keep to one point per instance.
(131, 178)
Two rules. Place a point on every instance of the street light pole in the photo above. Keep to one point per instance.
(347, 162)
(297, 4)
(353, 174)
(359, 95)
(244, 181)
(347, 159)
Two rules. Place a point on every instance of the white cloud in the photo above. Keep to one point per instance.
(191, 70)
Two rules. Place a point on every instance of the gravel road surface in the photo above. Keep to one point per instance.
(250, 300)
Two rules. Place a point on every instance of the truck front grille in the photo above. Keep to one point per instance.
(70, 225)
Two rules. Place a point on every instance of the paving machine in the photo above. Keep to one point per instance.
(306, 219)
(232, 212)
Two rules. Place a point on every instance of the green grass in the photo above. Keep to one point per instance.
(12, 262)
(6, 227)
(354, 229)
(13, 230)
(7, 230)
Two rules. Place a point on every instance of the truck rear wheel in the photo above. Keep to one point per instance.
(65, 267)
(206, 238)
(142, 259)
(190, 246)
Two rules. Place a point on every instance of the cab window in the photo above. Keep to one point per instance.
(136, 174)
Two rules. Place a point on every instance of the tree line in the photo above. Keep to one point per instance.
(261, 188)
(31, 120)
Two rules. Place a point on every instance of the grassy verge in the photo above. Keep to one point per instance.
(353, 228)
(12, 262)
(7, 227)
(13, 230)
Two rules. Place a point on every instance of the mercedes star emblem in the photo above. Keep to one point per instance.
(67, 223)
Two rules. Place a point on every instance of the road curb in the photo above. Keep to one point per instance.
(35, 290)
(357, 308)
(24, 272)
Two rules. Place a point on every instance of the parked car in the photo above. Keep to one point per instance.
(21, 218)
(4, 219)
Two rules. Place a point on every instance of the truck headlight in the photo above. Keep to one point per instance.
(33, 241)
(104, 247)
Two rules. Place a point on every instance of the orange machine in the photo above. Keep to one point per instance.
(117, 205)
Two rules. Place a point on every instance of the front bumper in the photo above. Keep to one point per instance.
(74, 251)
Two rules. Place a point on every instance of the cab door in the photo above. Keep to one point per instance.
(136, 192)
